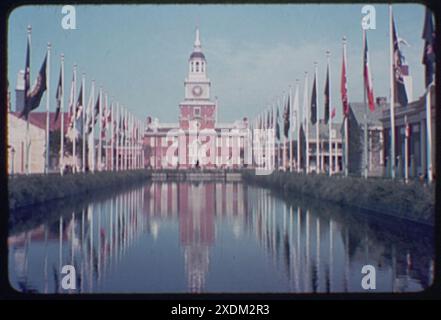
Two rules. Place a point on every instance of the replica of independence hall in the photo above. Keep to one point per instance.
(179, 145)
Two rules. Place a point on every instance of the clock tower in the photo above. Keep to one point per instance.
(197, 108)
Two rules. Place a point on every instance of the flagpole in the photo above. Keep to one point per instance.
(258, 150)
(284, 137)
(258, 139)
(106, 144)
(263, 146)
(87, 110)
(116, 156)
(346, 117)
(290, 119)
(129, 143)
(317, 130)
(74, 117)
(121, 150)
(125, 137)
(392, 96)
(365, 147)
(429, 132)
(92, 133)
(115, 137)
(328, 55)
(100, 119)
(306, 112)
(83, 117)
(118, 139)
(62, 117)
(129, 140)
(406, 150)
(25, 106)
(142, 144)
(136, 145)
(273, 148)
(132, 145)
(112, 135)
(296, 102)
(141, 141)
(279, 154)
(110, 140)
(46, 167)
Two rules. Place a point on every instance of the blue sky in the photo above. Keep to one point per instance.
(139, 53)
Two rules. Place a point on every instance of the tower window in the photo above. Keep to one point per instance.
(202, 67)
(197, 66)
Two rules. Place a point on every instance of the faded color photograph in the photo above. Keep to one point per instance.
(221, 148)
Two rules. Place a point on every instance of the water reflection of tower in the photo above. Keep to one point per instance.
(196, 228)
(196, 207)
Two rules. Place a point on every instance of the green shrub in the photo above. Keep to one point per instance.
(28, 190)
(412, 201)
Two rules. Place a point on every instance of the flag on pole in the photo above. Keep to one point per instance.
(303, 150)
(89, 112)
(367, 76)
(108, 116)
(79, 105)
(333, 111)
(295, 109)
(429, 47)
(58, 96)
(33, 97)
(398, 59)
(271, 115)
(326, 102)
(286, 114)
(114, 125)
(344, 88)
(268, 120)
(71, 99)
(27, 76)
(277, 125)
(96, 110)
(104, 118)
(314, 102)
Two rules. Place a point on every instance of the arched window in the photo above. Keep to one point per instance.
(192, 69)
(197, 66)
(202, 67)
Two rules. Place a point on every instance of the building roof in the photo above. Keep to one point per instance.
(38, 119)
(197, 55)
(373, 117)
(324, 130)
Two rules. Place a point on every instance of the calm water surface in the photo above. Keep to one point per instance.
(167, 237)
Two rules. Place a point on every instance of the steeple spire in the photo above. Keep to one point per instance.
(197, 41)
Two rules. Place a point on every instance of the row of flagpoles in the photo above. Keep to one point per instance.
(119, 132)
(288, 161)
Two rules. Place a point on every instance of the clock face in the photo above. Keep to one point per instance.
(197, 91)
